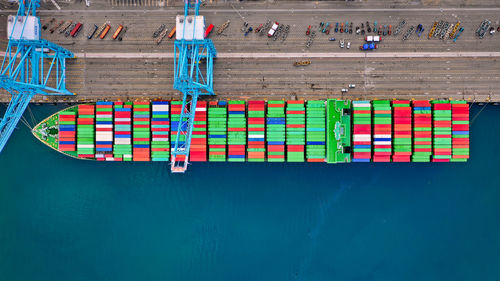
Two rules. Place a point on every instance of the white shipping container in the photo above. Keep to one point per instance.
(104, 133)
(361, 138)
(104, 138)
(30, 24)
(382, 142)
(123, 119)
(160, 139)
(256, 136)
(361, 105)
(110, 159)
(193, 27)
(382, 136)
(122, 141)
(160, 107)
(104, 126)
(201, 109)
(85, 146)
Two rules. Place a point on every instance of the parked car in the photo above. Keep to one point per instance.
(419, 30)
(341, 42)
(372, 38)
(485, 25)
(92, 31)
(273, 29)
(68, 30)
(158, 31)
(209, 30)
(76, 30)
(368, 47)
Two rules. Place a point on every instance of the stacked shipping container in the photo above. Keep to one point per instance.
(402, 131)
(122, 148)
(362, 131)
(160, 131)
(175, 111)
(141, 131)
(198, 150)
(441, 117)
(85, 132)
(236, 135)
(275, 131)
(382, 131)
(295, 131)
(422, 131)
(217, 131)
(437, 131)
(460, 131)
(256, 127)
(67, 130)
(104, 131)
(316, 131)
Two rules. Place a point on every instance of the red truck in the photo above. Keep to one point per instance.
(208, 30)
(76, 30)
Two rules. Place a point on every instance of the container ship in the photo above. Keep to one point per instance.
(331, 131)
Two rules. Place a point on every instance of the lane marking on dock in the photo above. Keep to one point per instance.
(295, 55)
(270, 11)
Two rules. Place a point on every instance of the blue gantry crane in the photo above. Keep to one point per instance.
(31, 66)
(193, 62)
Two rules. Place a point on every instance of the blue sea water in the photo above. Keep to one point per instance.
(66, 219)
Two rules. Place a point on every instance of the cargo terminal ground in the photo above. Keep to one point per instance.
(256, 67)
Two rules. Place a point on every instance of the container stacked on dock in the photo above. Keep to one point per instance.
(104, 131)
(236, 135)
(217, 131)
(441, 118)
(460, 131)
(275, 131)
(67, 130)
(295, 131)
(316, 131)
(122, 148)
(382, 131)
(85, 132)
(160, 131)
(422, 131)
(141, 131)
(362, 131)
(198, 150)
(256, 130)
(175, 116)
(402, 127)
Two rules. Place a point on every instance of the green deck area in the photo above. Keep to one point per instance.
(47, 131)
(338, 123)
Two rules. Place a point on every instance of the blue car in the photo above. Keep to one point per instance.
(419, 30)
(368, 47)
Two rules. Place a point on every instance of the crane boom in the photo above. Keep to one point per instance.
(30, 66)
(193, 76)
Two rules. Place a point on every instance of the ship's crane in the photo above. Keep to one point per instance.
(31, 66)
(193, 62)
